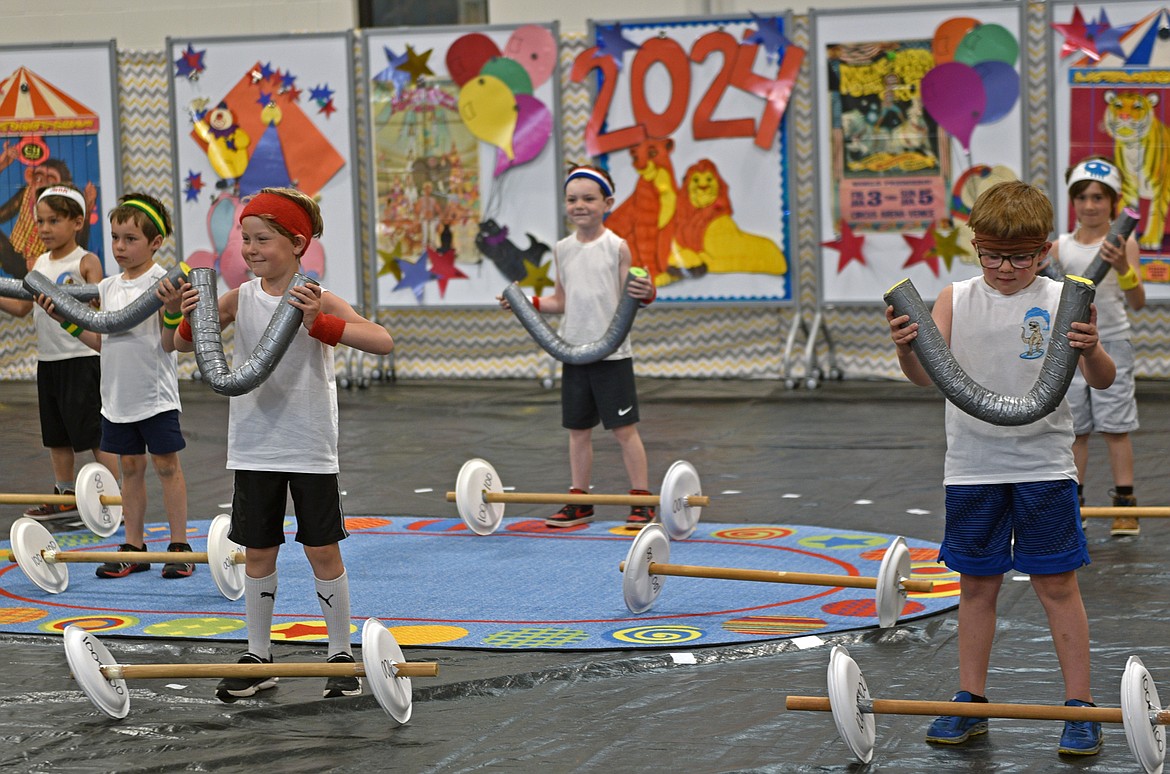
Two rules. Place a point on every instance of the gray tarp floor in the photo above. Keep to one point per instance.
(622, 711)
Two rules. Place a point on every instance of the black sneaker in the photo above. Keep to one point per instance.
(571, 515)
(232, 688)
(178, 569)
(347, 685)
(48, 512)
(640, 515)
(122, 569)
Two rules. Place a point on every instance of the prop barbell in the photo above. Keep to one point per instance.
(649, 553)
(1121, 512)
(98, 499)
(36, 552)
(853, 710)
(479, 495)
(386, 671)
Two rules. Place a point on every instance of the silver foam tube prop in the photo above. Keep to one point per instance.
(274, 342)
(574, 354)
(14, 288)
(1056, 372)
(113, 321)
(1098, 269)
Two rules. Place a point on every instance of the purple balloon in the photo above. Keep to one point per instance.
(533, 128)
(953, 94)
(1001, 84)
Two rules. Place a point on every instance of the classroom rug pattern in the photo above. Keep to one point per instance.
(434, 583)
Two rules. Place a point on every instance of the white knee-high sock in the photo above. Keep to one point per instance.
(334, 598)
(259, 600)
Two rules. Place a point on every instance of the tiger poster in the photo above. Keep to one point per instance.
(889, 157)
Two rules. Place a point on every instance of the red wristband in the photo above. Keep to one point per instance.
(327, 328)
(536, 303)
(184, 330)
(650, 300)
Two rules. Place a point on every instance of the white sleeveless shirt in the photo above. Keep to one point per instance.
(590, 274)
(1001, 341)
(1112, 320)
(139, 378)
(53, 341)
(289, 423)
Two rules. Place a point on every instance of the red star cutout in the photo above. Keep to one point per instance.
(1077, 37)
(848, 245)
(922, 250)
(328, 109)
(443, 267)
(293, 94)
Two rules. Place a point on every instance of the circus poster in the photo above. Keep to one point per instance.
(257, 112)
(690, 118)
(918, 112)
(1112, 99)
(58, 124)
(466, 152)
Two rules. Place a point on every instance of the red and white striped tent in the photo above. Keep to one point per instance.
(30, 105)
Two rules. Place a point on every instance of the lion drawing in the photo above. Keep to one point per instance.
(1142, 156)
(707, 239)
(646, 218)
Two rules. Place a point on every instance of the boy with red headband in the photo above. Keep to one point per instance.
(1094, 186)
(282, 436)
(592, 265)
(1011, 496)
(68, 372)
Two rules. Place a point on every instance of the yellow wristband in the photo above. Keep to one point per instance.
(171, 321)
(72, 329)
(1129, 280)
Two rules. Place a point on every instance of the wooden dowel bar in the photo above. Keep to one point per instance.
(292, 669)
(90, 557)
(777, 576)
(556, 498)
(53, 499)
(973, 710)
(1132, 511)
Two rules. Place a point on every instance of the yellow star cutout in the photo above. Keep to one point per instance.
(390, 264)
(948, 247)
(536, 277)
(416, 64)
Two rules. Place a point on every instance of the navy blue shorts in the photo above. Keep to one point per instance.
(599, 392)
(259, 507)
(69, 394)
(1033, 527)
(159, 434)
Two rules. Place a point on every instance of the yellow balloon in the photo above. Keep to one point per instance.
(488, 108)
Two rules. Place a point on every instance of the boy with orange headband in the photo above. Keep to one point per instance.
(1011, 492)
(68, 372)
(282, 436)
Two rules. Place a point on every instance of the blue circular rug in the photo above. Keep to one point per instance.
(526, 587)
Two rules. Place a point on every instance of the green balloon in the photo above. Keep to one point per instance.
(510, 72)
(988, 43)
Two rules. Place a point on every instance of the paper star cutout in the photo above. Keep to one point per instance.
(293, 94)
(266, 70)
(1108, 38)
(1076, 36)
(390, 262)
(922, 250)
(190, 63)
(443, 267)
(328, 109)
(611, 43)
(536, 277)
(288, 80)
(265, 98)
(416, 64)
(770, 35)
(321, 94)
(394, 72)
(192, 185)
(947, 246)
(848, 245)
(414, 276)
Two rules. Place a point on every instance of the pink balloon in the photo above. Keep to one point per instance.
(313, 261)
(533, 127)
(953, 95)
(201, 259)
(468, 54)
(535, 49)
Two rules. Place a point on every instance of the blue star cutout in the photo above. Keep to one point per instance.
(266, 70)
(770, 35)
(611, 43)
(321, 94)
(288, 80)
(1108, 37)
(190, 62)
(415, 276)
(264, 98)
(192, 186)
(400, 78)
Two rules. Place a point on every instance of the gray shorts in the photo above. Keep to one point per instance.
(1112, 410)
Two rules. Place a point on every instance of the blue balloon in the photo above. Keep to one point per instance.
(1001, 83)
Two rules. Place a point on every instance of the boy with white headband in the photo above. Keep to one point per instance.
(1094, 188)
(68, 372)
(592, 265)
(282, 436)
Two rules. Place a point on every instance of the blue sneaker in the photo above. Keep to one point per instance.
(952, 729)
(1080, 737)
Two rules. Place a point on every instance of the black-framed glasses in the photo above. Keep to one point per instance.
(1018, 261)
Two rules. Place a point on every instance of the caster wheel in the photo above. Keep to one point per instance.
(546, 383)
(811, 383)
